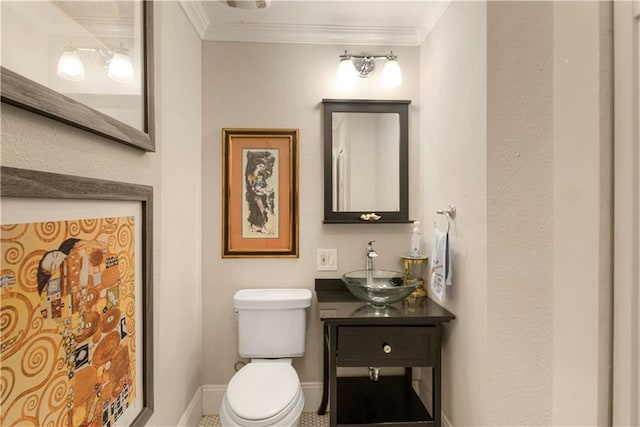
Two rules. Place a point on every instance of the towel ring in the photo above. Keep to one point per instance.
(449, 213)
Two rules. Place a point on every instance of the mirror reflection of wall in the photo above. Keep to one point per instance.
(365, 161)
(101, 40)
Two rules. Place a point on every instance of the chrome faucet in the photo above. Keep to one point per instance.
(371, 254)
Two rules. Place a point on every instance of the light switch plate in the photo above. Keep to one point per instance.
(327, 260)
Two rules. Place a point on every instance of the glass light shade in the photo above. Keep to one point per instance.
(347, 74)
(70, 66)
(391, 74)
(120, 68)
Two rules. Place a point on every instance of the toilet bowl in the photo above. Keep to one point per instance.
(271, 330)
(263, 393)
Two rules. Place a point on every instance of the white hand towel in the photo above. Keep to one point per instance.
(440, 264)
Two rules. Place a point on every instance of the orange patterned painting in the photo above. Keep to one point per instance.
(67, 322)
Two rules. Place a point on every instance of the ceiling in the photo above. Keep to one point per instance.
(344, 22)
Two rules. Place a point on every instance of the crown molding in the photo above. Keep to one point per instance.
(237, 26)
(313, 34)
(197, 15)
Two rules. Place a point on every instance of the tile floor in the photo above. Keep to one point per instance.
(308, 419)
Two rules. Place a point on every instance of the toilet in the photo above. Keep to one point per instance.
(271, 331)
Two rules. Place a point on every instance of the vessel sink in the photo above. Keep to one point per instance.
(380, 287)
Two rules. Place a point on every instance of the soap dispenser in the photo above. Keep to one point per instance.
(415, 240)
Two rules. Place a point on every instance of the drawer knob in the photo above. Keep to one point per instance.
(386, 348)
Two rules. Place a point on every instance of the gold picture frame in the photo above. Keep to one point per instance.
(260, 193)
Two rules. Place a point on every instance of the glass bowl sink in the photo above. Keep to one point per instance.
(380, 287)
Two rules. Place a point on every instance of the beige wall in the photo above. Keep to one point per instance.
(33, 142)
(582, 209)
(453, 170)
(179, 309)
(626, 353)
(532, 183)
(256, 85)
(519, 211)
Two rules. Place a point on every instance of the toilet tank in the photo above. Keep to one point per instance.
(272, 323)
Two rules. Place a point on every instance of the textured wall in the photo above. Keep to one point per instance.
(519, 211)
(453, 169)
(530, 173)
(179, 307)
(582, 176)
(626, 353)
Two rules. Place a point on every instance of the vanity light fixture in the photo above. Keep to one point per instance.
(120, 67)
(70, 66)
(347, 73)
(117, 62)
(364, 65)
(249, 4)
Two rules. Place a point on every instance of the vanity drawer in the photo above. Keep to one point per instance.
(387, 345)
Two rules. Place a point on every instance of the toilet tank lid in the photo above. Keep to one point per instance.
(272, 298)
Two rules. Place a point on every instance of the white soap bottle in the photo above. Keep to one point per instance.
(415, 240)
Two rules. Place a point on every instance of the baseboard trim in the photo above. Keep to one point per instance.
(312, 396)
(193, 413)
(212, 398)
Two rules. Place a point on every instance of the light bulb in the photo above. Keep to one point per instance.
(346, 73)
(70, 66)
(391, 74)
(120, 68)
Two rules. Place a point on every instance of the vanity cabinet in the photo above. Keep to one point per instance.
(359, 335)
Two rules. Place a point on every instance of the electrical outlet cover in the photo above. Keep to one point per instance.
(327, 260)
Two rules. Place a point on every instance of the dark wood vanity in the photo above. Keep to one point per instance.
(360, 335)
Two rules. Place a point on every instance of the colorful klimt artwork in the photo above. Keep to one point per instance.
(261, 193)
(67, 322)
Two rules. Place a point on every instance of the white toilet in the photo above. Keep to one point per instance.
(272, 330)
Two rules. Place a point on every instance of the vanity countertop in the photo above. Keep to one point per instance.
(337, 304)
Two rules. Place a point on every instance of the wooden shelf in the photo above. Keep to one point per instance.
(389, 401)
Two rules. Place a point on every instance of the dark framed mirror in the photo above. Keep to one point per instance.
(366, 151)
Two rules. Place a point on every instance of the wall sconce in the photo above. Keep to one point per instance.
(364, 65)
(117, 62)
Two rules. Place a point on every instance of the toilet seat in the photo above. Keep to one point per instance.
(289, 417)
(264, 394)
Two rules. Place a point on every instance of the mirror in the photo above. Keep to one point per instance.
(365, 161)
(87, 64)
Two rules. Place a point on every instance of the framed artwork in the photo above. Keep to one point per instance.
(76, 299)
(260, 193)
(90, 65)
